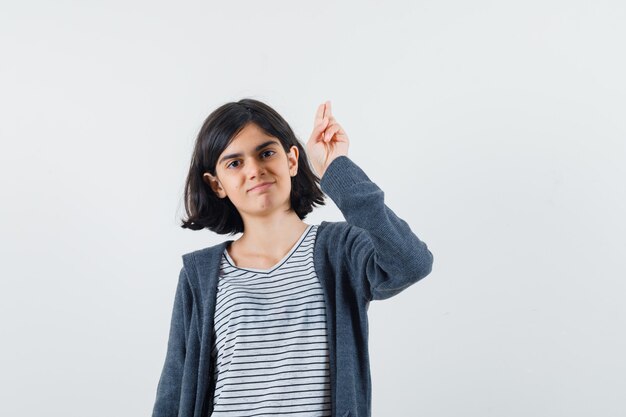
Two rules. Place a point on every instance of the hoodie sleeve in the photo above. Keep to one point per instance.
(382, 252)
(169, 387)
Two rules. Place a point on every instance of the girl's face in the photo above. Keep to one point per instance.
(253, 158)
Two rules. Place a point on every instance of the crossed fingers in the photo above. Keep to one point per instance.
(325, 124)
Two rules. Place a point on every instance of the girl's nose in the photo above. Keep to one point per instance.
(254, 167)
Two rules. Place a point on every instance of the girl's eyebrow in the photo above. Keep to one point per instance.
(258, 148)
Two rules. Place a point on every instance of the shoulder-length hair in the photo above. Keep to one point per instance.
(203, 207)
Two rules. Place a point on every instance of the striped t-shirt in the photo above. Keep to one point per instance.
(270, 338)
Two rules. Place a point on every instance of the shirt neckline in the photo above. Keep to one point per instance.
(278, 264)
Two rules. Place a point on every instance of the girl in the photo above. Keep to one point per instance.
(275, 322)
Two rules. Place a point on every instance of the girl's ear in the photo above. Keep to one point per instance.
(215, 184)
(292, 159)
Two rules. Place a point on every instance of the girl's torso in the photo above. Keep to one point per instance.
(270, 343)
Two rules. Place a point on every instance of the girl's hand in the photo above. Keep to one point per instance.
(328, 140)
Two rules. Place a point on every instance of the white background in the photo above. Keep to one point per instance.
(496, 129)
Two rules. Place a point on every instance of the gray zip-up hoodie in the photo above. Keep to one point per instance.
(373, 255)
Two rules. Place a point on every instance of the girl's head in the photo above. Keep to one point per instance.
(240, 145)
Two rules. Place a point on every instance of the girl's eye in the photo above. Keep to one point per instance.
(262, 153)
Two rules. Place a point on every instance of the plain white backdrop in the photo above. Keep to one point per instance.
(497, 130)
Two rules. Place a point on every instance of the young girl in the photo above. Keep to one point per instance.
(275, 322)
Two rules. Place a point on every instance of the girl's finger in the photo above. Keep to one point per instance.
(330, 132)
(324, 123)
(327, 112)
(318, 131)
(319, 114)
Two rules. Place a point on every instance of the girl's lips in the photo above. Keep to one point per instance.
(262, 187)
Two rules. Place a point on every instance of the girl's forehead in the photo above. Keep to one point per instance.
(250, 135)
(251, 130)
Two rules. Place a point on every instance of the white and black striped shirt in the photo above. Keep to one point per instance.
(270, 339)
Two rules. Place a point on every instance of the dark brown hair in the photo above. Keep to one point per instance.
(205, 210)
